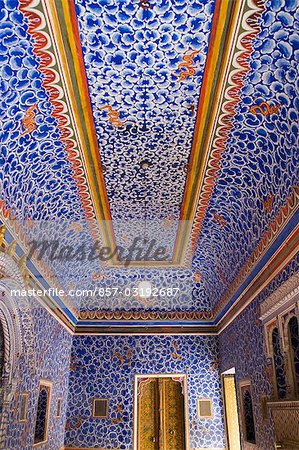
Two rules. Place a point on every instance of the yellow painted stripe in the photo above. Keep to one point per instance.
(90, 148)
(218, 56)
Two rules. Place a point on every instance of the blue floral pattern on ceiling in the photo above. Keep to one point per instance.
(42, 187)
(143, 108)
(36, 180)
(104, 367)
(259, 167)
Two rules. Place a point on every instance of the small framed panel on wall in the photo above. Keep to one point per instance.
(100, 408)
(43, 413)
(59, 405)
(24, 398)
(204, 408)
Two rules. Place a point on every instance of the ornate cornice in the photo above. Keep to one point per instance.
(237, 66)
(10, 269)
(284, 404)
(145, 315)
(288, 292)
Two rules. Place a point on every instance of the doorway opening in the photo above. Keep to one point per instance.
(160, 412)
(231, 410)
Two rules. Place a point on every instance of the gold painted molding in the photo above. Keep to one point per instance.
(59, 14)
(222, 42)
(92, 448)
(282, 297)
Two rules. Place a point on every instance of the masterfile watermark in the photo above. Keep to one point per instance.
(54, 292)
(141, 249)
(97, 291)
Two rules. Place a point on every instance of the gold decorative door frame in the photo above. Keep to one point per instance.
(231, 413)
(154, 391)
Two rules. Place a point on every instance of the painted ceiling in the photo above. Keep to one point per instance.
(168, 120)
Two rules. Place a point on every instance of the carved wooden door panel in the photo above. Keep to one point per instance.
(173, 415)
(161, 419)
(148, 415)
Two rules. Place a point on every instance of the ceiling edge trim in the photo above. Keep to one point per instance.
(206, 318)
(146, 331)
(219, 96)
(61, 63)
(282, 226)
(283, 256)
(283, 221)
(280, 259)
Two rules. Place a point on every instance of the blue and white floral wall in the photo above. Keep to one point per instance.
(241, 346)
(46, 357)
(104, 367)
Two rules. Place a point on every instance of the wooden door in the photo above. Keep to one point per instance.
(148, 415)
(161, 419)
(173, 417)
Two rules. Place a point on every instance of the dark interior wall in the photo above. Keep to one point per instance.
(241, 346)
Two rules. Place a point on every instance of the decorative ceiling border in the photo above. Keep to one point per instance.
(287, 292)
(286, 252)
(39, 274)
(286, 212)
(234, 28)
(283, 255)
(146, 315)
(54, 84)
(280, 259)
(61, 63)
